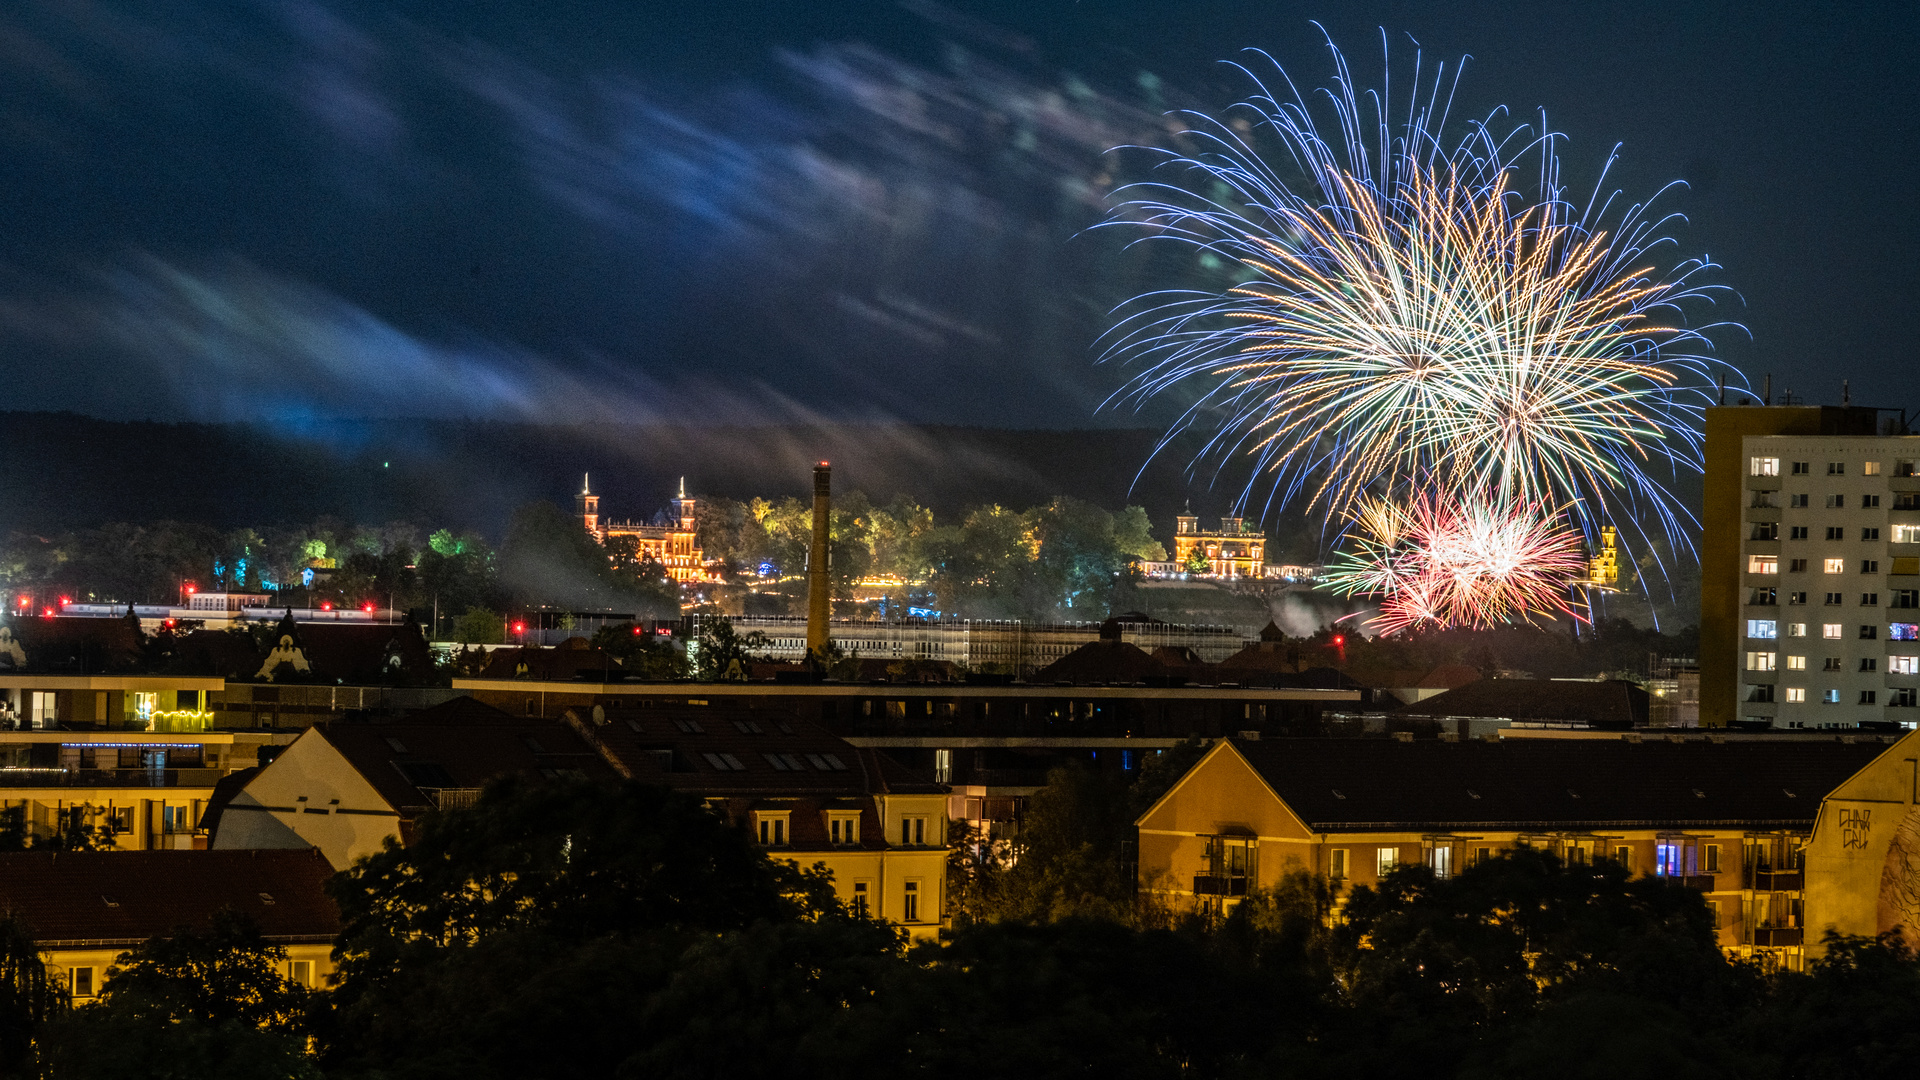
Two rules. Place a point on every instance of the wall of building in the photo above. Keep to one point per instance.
(1863, 861)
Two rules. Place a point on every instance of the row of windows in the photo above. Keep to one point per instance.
(1769, 629)
(1901, 697)
(1669, 859)
(843, 829)
(1770, 564)
(1770, 530)
(1758, 660)
(1771, 598)
(1770, 466)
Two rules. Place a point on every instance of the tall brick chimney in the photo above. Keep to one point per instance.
(819, 596)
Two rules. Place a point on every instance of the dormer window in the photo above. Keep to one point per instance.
(843, 828)
(771, 825)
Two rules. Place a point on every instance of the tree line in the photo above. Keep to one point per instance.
(561, 929)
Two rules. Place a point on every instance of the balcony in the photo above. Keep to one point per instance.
(1216, 885)
(1702, 882)
(1778, 936)
(1776, 880)
(109, 778)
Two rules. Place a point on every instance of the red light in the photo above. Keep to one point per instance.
(519, 628)
(166, 622)
(326, 605)
(47, 613)
(1339, 639)
(191, 589)
(636, 630)
(366, 607)
(25, 600)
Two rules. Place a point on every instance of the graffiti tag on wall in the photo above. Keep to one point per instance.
(1854, 827)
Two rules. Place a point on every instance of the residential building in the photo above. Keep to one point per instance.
(1821, 560)
(87, 908)
(1609, 704)
(347, 787)
(997, 645)
(1730, 818)
(138, 790)
(804, 794)
(1862, 865)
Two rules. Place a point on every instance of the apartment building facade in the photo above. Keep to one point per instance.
(1829, 564)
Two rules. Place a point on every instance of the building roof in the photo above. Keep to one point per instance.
(1612, 703)
(69, 644)
(460, 744)
(1107, 660)
(571, 658)
(755, 760)
(1549, 784)
(696, 747)
(125, 897)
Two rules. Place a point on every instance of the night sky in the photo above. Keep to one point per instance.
(294, 210)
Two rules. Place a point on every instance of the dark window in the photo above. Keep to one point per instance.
(1798, 532)
(1796, 566)
(1800, 468)
(1869, 566)
(1767, 530)
(1836, 468)
(1797, 501)
(1902, 698)
(1869, 599)
(1764, 598)
(1870, 502)
(1867, 697)
(1835, 598)
(1836, 502)
(1796, 598)
(1870, 534)
(1904, 598)
(1868, 663)
(1869, 632)
(1835, 532)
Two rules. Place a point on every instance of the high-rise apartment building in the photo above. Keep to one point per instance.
(1810, 576)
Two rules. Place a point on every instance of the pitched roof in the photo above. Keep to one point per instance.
(1549, 784)
(1573, 701)
(126, 897)
(458, 744)
(1108, 660)
(564, 661)
(72, 643)
(696, 748)
(365, 653)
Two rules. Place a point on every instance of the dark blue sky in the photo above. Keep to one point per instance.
(300, 209)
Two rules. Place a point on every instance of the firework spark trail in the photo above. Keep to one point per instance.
(1405, 316)
(1440, 564)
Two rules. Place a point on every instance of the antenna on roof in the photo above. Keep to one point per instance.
(585, 487)
(1766, 390)
(1846, 395)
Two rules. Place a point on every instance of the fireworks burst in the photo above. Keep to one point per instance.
(1437, 564)
(1403, 316)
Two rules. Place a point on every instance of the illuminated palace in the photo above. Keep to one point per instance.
(1237, 550)
(667, 539)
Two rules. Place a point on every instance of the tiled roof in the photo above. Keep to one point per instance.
(564, 661)
(1355, 784)
(459, 744)
(1105, 661)
(365, 653)
(126, 897)
(755, 759)
(695, 748)
(1573, 701)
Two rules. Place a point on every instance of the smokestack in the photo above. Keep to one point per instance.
(819, 600)
(1766, 391)
(1846, 395)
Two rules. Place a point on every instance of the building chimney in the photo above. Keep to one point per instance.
(1766, 390)
(819, 598)
(1846, 395)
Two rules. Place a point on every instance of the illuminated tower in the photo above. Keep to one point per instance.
(589, 506)
(683, 510)
(819, 600)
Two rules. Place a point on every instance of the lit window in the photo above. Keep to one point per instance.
(1870, 468)
(82, 982)
(1906, 534)
(1796, 663)
(1831, 630)
(1796, 694)
(1760, 661)
(1764, 466)
(1903, 665)
(1797, 629)
(1761, 628)
(1904, 631)
(910, 904)
(1385, 859)
(1442, 861)
(300, 972)
(1830, 697)
(1337, 864)
(1832, 566)
(1763, 564)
